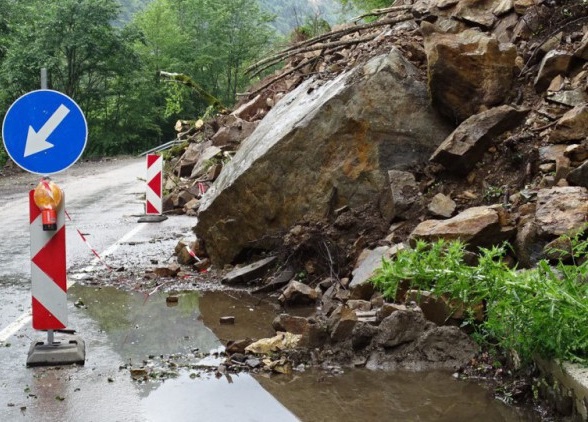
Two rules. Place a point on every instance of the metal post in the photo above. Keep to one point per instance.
(50, 333)
(44, 78)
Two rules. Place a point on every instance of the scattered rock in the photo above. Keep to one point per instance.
(467, 71)
(281, 341)
(561, 210)
(478, 226)
(230, 320)
(248, 273)
(467, 144)
(442, 206)
(298, 293)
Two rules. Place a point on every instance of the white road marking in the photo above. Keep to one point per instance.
(25, 318)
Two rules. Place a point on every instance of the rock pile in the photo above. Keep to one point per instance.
(452, 119)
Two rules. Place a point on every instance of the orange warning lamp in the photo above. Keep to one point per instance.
(47, 197)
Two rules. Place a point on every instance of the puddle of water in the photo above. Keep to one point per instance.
(138, 326)
(212, 399)
(400, 396)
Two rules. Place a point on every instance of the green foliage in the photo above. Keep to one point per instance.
(367, 5)
(292, 14)
(3, 156)
(211, 41)
(541, 312)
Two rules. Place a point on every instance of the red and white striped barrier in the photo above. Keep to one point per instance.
(48, 274)
(154, 199)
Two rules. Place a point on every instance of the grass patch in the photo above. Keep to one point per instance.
(538, 312)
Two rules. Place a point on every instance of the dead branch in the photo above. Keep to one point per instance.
(279, 77)
(380, 12)
(323, 47)
(304, 46)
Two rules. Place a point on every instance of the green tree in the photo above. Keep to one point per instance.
(209, 40)
(87, 58)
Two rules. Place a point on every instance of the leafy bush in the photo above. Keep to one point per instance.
(539, 312)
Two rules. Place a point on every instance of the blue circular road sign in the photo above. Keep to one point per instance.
(44, 132)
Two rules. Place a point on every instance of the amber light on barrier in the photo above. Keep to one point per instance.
(47, 197)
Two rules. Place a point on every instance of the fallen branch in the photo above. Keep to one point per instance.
(380, 12)
(305, 46)
(279, 77)
(210, 99)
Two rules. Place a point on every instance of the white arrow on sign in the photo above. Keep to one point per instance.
(37, 141)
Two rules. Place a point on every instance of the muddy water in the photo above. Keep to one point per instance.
(139, 325)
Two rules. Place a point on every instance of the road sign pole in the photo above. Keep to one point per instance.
(45, 132)
(49, 291)
(44, 78)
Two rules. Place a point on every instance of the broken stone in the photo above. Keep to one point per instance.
(405, 191)
(204, 161)
(400, 327)
(298, 293)
(467, 144)
(447, 345)
(571, 98)
(227, 320)
(579, 176)
(290, 323)
(467, 71)
(361, 286)
(237, 346)
(277, 282)
(359, 305)
(167, 272)
(362, 335)
(341, 323)
(561, 210)
(233, 131)
(281, 341)
(316, 334)
(388, 309)
(572, 126)
(478, 226)
(248, 273)
(553, 63)
(442, 206)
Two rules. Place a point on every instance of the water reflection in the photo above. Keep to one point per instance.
(394, 396)
(139, 325)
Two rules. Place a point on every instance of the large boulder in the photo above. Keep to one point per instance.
(468, 71)
(323, 146)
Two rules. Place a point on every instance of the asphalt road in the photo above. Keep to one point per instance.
(104, 201)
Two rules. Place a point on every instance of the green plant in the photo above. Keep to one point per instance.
(3, 156)
(493, 192)
(539, 312)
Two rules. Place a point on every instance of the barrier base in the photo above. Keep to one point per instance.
(152, 219)
(71, 350)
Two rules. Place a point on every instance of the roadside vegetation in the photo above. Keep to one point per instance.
(527, 313)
